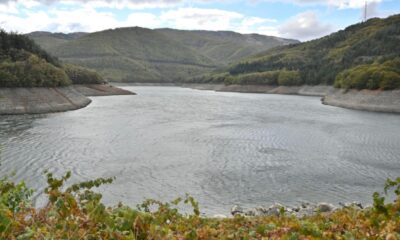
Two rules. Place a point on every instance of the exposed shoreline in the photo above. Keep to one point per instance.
(49, 100)
(365, 100)
(318, 91)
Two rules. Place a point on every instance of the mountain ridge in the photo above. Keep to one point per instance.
(135, 54)
(363, 55)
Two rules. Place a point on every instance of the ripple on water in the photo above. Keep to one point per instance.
(222, 148)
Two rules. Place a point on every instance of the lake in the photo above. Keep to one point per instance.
(222, 148)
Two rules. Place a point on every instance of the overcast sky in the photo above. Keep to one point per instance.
(299, 19)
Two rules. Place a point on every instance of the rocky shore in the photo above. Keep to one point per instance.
(49, 100)
(305, 209)
(366, 100)
(318, 91)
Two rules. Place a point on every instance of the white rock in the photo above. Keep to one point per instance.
(220, 216)
(260, 211)
(236, 210)
(250, 213)
(325, 207)
(356, 205)
(275, 209)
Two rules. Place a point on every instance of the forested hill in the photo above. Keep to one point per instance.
(162, 55)
(364, 55)
(49, 40)
(225, 47)
(24, 64)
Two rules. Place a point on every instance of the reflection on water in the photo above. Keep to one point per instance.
(222, 148)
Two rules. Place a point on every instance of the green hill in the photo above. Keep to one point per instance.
(341, 58)
(224, 46)
(162, 55)
(50, 41)
(24, 64)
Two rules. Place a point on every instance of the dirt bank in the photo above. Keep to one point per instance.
(368, 100)
(296, 90)
(95, 90)
(49, 100)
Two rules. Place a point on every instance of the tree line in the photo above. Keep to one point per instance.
(24, 64)
(362, 51)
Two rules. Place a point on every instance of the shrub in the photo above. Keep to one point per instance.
(81, 75)
(289, 78)
(32, 72)
(13, 44)
(25, 64)
(76, 212)
(384, 75)
(390, 80)
(268, 78)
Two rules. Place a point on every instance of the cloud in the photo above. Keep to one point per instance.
(85, 18)
(146, 20)
(341, 4)
(8, 8)
(142, 4)
(373, 10)
(198, 18)
(95, 15)
(89, 19)
(82, 19)
(132, 4)
(304, 26)
(115, 4)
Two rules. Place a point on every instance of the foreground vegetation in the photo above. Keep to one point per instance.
(24, 64)
(364, 55)
(77, 213)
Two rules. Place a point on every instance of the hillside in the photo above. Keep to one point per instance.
(49, 41)
(224, 46)
(162, 55)
(24, 64)
(341, 58)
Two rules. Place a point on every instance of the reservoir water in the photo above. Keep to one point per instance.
(222, 148)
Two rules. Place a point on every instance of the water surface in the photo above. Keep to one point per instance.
(222, 148)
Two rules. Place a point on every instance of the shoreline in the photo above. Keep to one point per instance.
(60, 99)
(16, 101)
(364, 100)
(305, 209)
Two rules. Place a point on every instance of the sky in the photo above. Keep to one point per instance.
(298, 19)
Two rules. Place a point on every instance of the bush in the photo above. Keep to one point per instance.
(268, 78)
(384, 75)
(32, 72)
(81, 75)
(13, 44)
(289, 78)
(390, 80)
(76, 212)
(25, 64)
